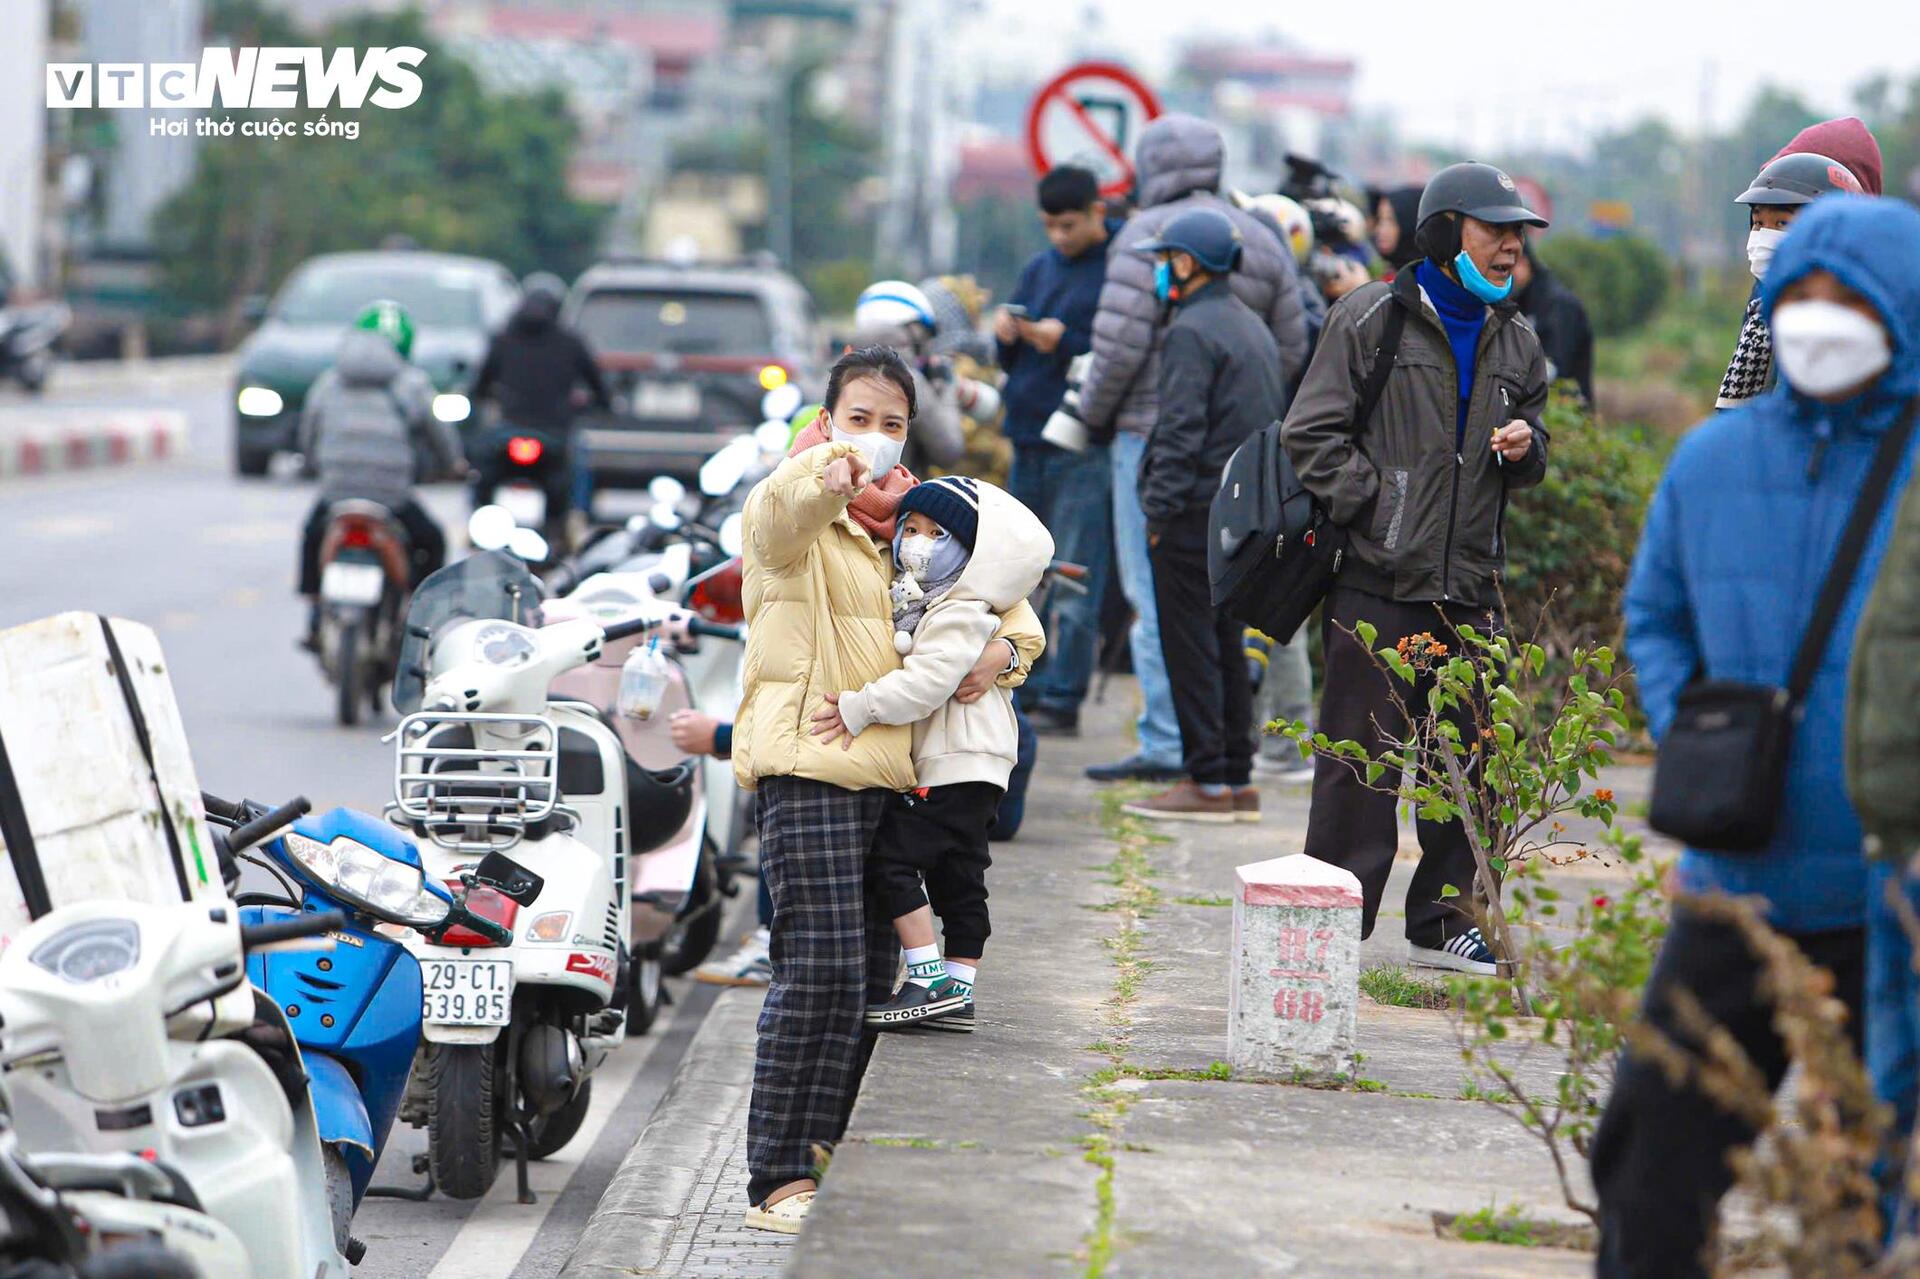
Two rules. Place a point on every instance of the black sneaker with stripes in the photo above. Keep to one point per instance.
(960, 1020)
(1466, 953)
(913, 1004)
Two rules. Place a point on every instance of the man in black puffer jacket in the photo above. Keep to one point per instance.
(1219, 380)
(531, 370)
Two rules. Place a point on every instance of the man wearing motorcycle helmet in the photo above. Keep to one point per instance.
(900, 315)
(1834, 155)
(1424, 510)
(531, 369)
(362, 422)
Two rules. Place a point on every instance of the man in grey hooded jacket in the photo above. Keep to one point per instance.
(363, 419)
(1179, 162)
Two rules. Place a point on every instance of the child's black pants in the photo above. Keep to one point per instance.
(939, 833)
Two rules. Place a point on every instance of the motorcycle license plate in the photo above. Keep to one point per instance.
(666, 399)
(528, 506)
(344, 582)
(467, 992)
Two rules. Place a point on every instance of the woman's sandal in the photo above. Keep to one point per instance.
(785, 1217)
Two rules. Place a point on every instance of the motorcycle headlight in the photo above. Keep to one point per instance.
(369, 879)
(452, 407)
(88, 952)
(258, 401)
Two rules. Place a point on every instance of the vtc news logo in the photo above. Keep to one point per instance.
(258, 79)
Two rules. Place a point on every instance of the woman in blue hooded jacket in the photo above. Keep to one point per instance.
(1735, 547)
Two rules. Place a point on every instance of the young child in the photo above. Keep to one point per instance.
(965, 551)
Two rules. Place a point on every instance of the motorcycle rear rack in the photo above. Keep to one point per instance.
(468, 799)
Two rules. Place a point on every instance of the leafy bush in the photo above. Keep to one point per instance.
(1570, 541)
(1622, 279)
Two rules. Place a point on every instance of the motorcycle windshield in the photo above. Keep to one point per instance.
(491, 585)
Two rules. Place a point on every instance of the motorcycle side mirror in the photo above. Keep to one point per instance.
(528, 545)
(508, 878)
(490, 527)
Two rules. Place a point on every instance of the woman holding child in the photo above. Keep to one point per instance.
(818, 565)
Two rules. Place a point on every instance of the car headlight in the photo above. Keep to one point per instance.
(369, 879)
(88, 952)
(452, 407)
(258, 401)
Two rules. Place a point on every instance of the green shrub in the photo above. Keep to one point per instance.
(1622, 279)
(1571, 539)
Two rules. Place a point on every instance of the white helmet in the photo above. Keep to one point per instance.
(893, 304)
(1295, 222)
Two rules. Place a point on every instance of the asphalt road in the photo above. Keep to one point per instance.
(208, 561)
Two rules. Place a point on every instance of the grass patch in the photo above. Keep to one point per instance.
(917, 1143)
(1216, 1071)
(1396, 986)
(1470, 1090)
(1203, 901)
(1512, 1227)
(1369, 1085)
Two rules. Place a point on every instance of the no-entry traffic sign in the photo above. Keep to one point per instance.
(1090, 114)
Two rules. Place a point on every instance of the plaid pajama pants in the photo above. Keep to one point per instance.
(829, 954)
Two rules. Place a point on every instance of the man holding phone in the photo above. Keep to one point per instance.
(1045, 324)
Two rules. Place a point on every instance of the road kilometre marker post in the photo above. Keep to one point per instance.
(1294, 1006)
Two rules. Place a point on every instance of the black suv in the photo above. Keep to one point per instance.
(690, 351)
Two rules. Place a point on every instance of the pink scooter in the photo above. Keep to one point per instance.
(675, 888)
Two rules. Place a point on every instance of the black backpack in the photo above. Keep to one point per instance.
(1272, 548)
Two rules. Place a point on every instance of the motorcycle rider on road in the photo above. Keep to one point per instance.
(362, 421)
(531, 369)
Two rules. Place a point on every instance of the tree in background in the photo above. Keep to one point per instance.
(1621, 279)
(461, 170)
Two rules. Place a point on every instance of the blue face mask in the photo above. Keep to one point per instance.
(1163, 281)
(1477, 284)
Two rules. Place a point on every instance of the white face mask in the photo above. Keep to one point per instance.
(1760, 246)
(1825, 348)
(916, 554)
(883, 454)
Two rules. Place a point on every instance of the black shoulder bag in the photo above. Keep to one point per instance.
(1272, 548)
(1718, 779)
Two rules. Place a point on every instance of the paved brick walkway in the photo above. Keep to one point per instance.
(709, 1241)
(675, 1206)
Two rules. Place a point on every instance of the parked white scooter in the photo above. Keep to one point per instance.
(120, 1029)
(488, 763)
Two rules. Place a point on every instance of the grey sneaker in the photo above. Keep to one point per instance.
(748, 966)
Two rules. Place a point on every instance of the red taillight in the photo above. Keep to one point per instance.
(524, 450)
(356, 536)
(487, 904)
(717, 598)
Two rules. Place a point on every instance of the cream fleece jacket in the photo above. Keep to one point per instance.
(954, 742)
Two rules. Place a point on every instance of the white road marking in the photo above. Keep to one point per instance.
(497, 1234)
(70, 527)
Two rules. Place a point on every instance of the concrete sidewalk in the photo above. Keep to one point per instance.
(1084, 1128)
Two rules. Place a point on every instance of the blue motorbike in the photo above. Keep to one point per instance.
(355, 1009)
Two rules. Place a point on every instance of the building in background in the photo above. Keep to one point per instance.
(23, 129)
(1269, 98)
(141, 169)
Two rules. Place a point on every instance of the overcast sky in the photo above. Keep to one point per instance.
(1487, 74)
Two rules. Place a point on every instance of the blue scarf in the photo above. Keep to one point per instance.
(1463, 316)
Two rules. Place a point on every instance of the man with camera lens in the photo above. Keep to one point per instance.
(1421, 488)
(1063, 478)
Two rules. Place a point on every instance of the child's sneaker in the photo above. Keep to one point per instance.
(959, 1020)
(913, 1004)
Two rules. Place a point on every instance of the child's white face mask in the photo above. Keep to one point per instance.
(916, 554)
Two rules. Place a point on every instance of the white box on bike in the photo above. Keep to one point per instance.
(95, 766)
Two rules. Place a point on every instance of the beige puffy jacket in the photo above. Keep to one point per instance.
(819, 620)
(955, 741)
